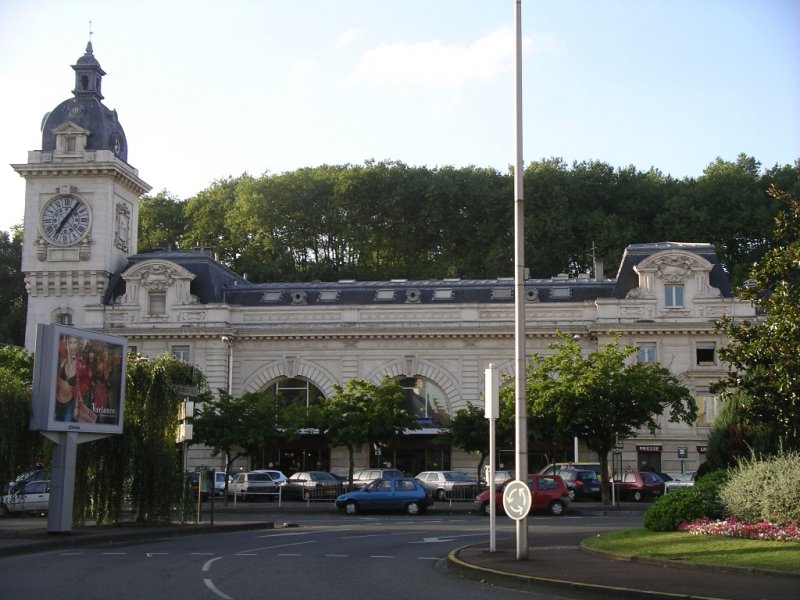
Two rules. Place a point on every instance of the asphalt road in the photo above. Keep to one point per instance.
(315, 556)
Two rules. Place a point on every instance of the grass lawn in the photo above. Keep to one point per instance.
(709, 549)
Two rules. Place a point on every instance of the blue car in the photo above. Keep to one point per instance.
(404, 494)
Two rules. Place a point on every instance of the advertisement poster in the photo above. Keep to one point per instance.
(79, 381)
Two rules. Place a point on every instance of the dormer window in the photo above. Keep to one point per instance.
(673, 295)
(69, 143)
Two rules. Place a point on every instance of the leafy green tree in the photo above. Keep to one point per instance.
(13, 298)
(734, 436)
(143, 463)
(222, 425)
(361, 412)
(602, 397)
(20, 448)
(764, 354)
(161, 222)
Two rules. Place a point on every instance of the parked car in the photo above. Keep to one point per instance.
(548, 493)
(31, 496)
(449, 485)
(363, 476)
(554, 468)
(277, 476)
(581, 484)
(638, 485)
(313, 485)
(402, 493)
(37, 475)
(253, 484)
(681, 481)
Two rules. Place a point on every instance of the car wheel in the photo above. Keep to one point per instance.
(637, 496)
(413, 508)
(486, 509)
(351, 508)
(571, 494)
(440, 495)
(557, 508)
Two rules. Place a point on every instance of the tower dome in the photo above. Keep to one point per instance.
(87, 111)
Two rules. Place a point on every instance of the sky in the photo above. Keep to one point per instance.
(207, 89)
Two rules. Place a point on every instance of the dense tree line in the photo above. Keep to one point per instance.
(382, 220)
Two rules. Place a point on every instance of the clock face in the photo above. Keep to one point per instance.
(65, 220)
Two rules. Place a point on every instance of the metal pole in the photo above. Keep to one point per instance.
(521, 436)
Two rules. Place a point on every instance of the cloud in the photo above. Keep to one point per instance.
(436, 64)
(348, 37)
(301, 68)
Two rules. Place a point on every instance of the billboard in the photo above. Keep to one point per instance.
(78, 381)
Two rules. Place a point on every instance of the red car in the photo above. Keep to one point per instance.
(639, 485)
(548, 493)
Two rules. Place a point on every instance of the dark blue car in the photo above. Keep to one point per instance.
(404, 494)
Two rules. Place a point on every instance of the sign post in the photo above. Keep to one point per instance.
(492, 407)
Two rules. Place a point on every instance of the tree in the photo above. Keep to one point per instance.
(161, 222)
(20, 448)
(222, 426)
(764, 355)
(361, 413)
(13, 298)
(602, 397)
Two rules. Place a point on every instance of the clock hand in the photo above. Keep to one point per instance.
(66, 218)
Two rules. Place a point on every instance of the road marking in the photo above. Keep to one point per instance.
(152, 554)
(278, 546)
(114, 553)
(202, 554)
(210, 585)
(208, 563)
(290, 555)
(71, 553)
(245, 554)
(337, 555)
(380, 556)
(428, 557)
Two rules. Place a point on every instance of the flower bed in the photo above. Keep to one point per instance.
(753, 531)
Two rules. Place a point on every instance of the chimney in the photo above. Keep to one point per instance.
(598, 270)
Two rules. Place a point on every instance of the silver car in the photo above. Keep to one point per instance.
(253, 484)
(32, 496)
(449, 485)
(681, 481)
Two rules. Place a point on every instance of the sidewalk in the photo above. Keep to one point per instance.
(555, 565)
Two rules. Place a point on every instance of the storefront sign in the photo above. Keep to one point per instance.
(651, 448)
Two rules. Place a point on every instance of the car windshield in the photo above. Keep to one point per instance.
(650, 477)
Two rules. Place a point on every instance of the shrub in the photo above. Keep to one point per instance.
(764, 490)
(687, 504)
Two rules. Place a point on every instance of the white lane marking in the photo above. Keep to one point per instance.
(152, 554)
(449, 538)
(114, 553)
(208, 563)
(245, 554)
(337, 555)
(428, 557)
(278, 546)
(290, 555)
(71, 553)
(358, 537)
(380, 556)
(210, 585)
(202, 554)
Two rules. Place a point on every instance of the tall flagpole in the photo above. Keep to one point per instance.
(521, 435)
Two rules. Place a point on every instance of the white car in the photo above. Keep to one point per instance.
(681, 481)
(253, 484)
(277, 476)
(32, 496)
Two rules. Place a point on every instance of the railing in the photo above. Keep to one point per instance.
(462, 493)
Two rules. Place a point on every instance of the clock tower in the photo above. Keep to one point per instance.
(81, 205)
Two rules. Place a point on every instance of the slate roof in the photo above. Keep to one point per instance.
(215, 283)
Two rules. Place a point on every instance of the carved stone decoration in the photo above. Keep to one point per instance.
(409, 365)
(41, 249)
(299, 297)
(157, 277)
(122, 232)
(532, 295)
(291, 366)
(85, 248)
(675, 268)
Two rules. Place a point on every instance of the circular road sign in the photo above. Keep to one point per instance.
(517, 500)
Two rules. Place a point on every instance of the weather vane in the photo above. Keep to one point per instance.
(90, 30)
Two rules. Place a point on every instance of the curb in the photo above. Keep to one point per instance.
(545, 585)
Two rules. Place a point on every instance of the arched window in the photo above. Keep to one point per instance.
(294, 390)
(426, 401)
